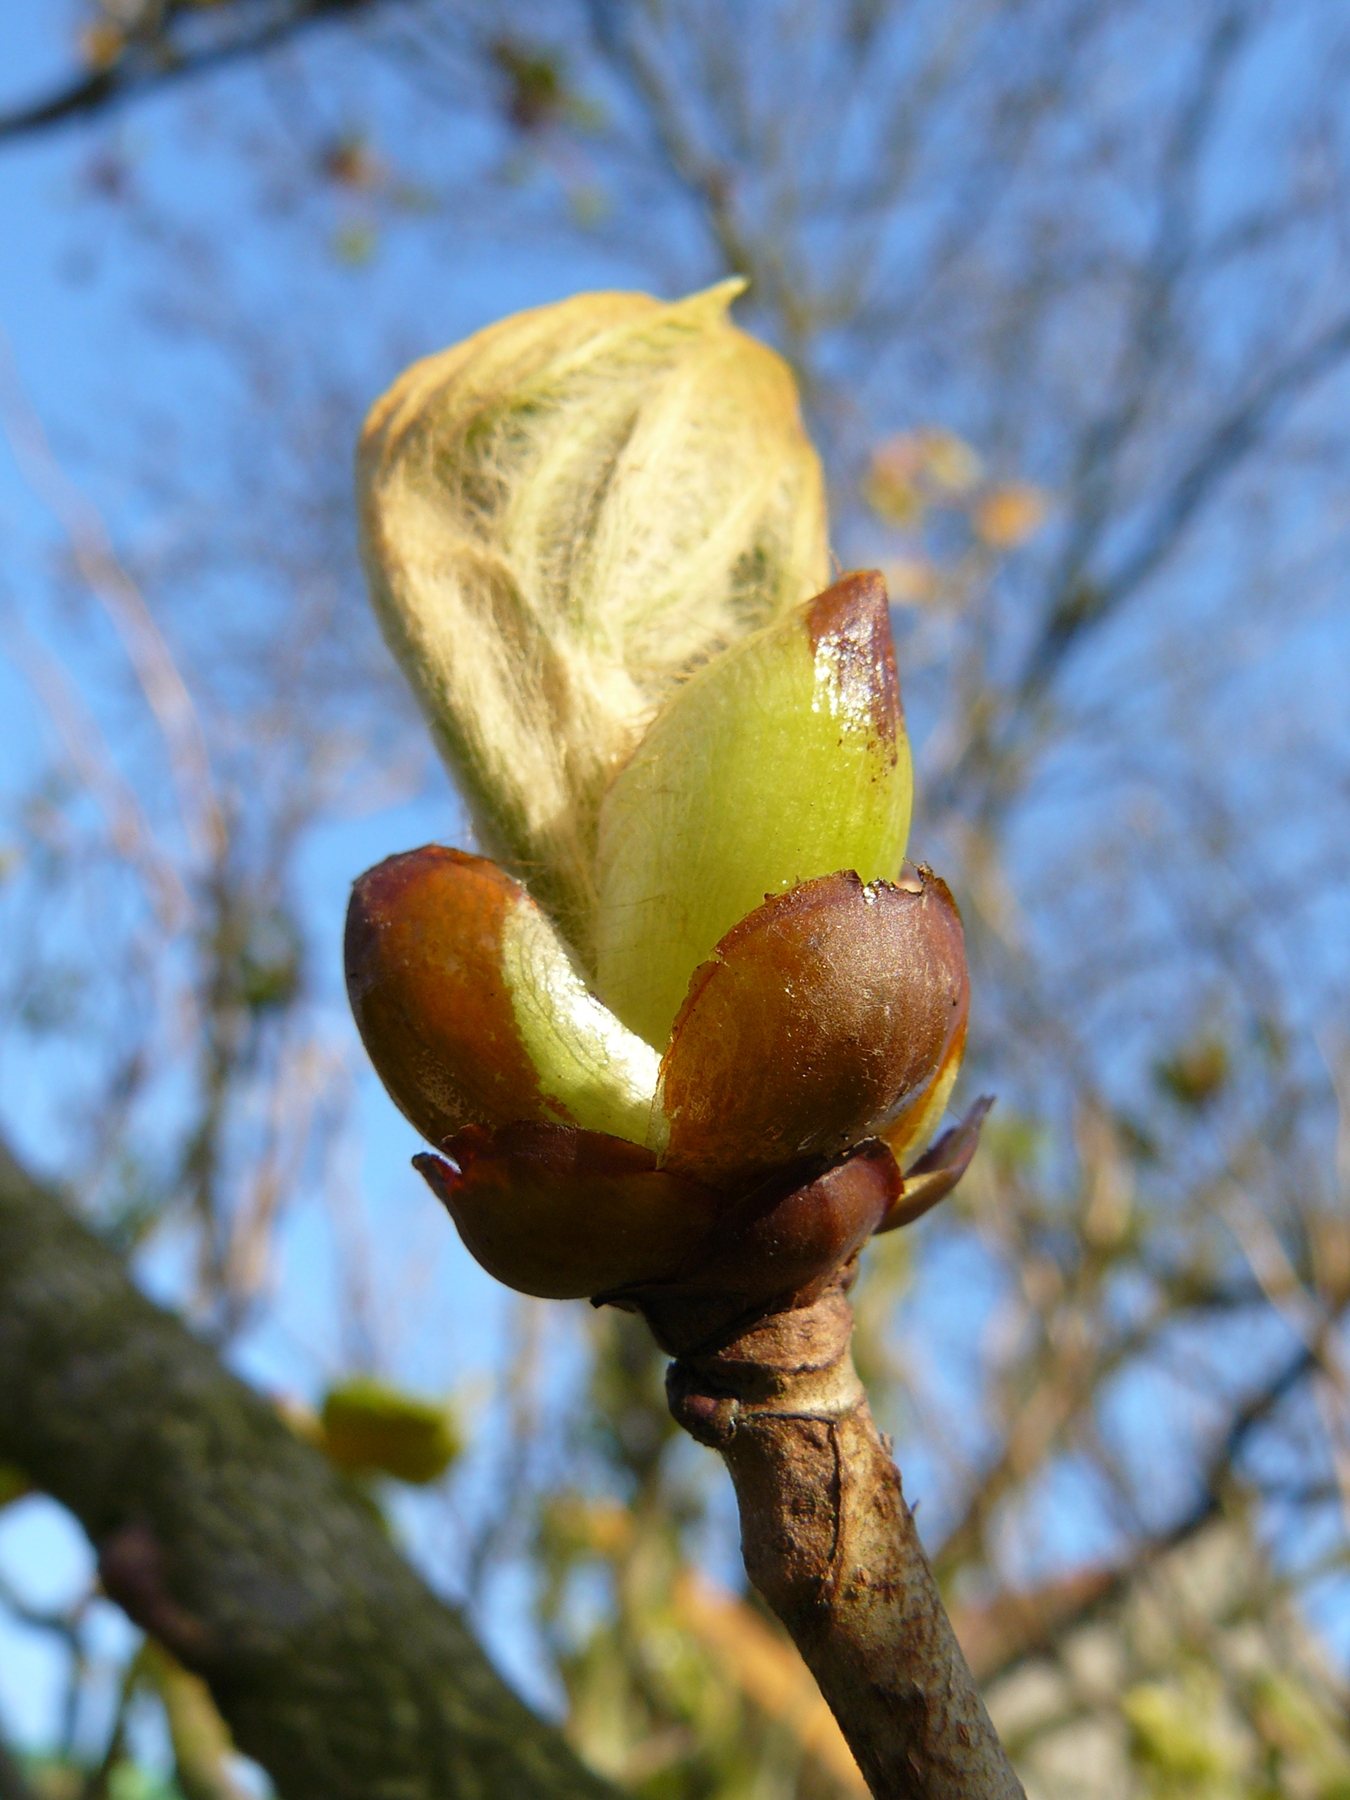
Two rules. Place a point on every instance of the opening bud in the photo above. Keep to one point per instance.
(561, 517)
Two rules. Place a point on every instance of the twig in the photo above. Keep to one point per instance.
(831, 1545)
(1312, 1323)
(157, 59)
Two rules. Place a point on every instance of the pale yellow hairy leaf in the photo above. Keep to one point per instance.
(562, 518)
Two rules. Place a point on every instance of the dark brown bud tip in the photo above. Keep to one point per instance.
(850, 623)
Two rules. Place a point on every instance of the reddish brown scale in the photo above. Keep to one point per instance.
(424, 975)
(939, 1169)
(777, 1249)
(816, 1020)
(563, 1213)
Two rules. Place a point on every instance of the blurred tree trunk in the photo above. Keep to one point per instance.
(237, 1547)
(12, 1784)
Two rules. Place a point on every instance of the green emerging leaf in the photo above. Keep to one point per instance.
(783, 759)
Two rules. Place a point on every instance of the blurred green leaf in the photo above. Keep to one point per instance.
(370, 1428)
(355, 244)
(1197, 1074)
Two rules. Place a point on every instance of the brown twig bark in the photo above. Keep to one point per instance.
(831, 1545)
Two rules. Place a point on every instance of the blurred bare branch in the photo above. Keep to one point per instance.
(153, 46)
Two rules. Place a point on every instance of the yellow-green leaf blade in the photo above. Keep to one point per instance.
(784, 759)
